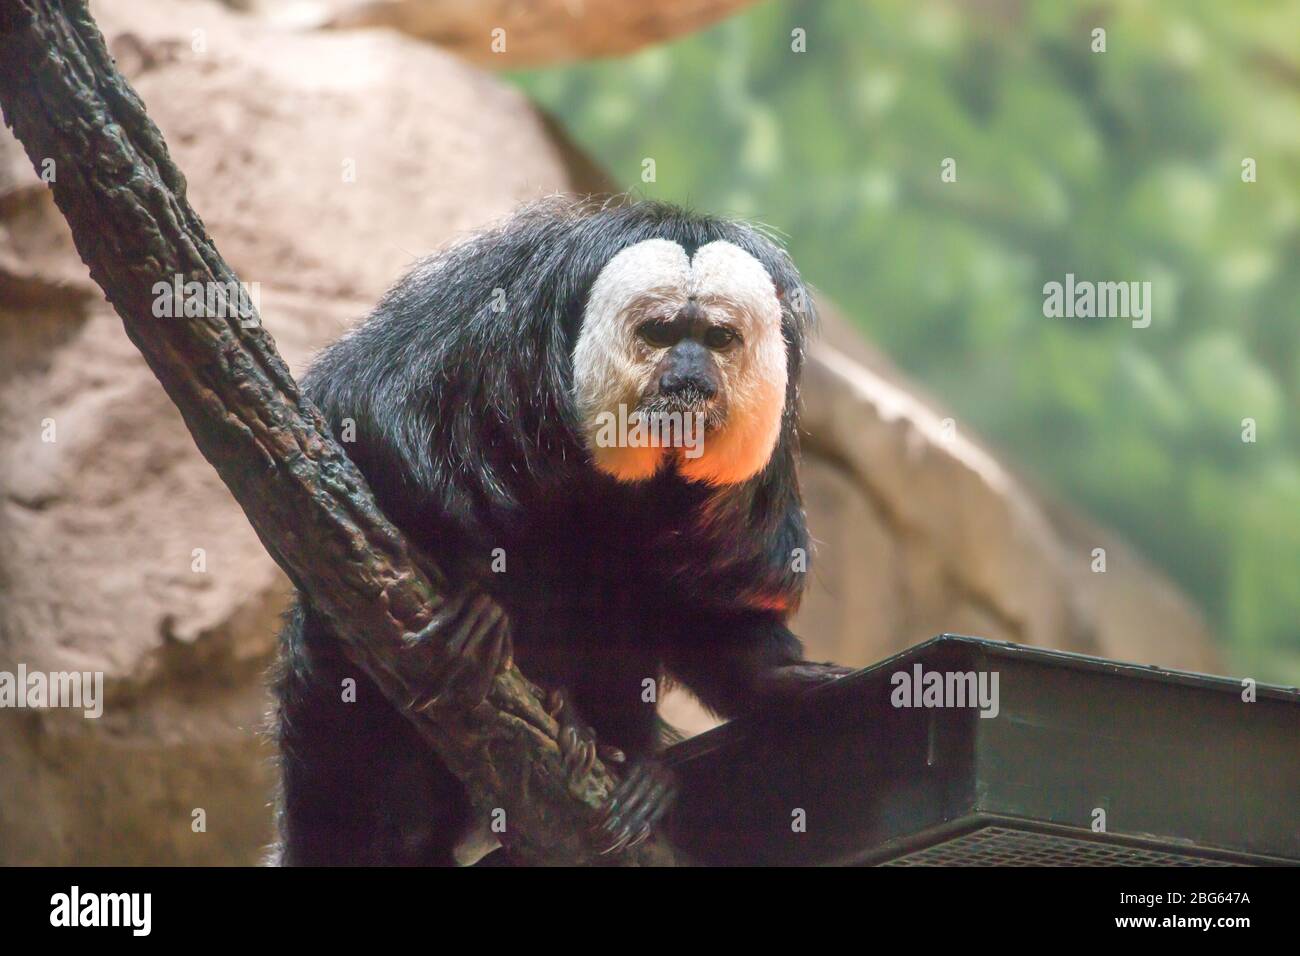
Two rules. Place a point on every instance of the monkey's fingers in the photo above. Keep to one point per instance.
(639, 802)
(577, 750)
(477, 635)
(445, 616)
(463, 635)
(488, 654)
(610, 754)
(479, 615)
(554, 702)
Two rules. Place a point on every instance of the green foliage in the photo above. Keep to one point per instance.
(1122, 165)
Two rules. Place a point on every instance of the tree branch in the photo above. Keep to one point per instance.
(310, 506)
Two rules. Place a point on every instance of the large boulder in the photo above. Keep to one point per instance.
(923, 531)
(323, 164)
(508, 35)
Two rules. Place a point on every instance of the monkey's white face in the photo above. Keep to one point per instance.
(691, 347)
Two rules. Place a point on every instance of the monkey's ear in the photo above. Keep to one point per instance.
(794, 295)
(796, 299)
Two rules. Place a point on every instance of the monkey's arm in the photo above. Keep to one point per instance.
(746, 664)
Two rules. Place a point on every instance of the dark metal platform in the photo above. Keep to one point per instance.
(1175, 767)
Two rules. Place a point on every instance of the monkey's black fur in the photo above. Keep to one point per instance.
(466, 431)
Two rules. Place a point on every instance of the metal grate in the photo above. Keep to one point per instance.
(1000, 846)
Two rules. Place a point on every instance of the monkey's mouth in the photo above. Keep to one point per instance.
(694, 408)
(681, 421)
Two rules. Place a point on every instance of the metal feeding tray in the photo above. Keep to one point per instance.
(1086, 762)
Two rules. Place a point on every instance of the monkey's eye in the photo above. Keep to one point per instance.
(719, 337)
(659, 334)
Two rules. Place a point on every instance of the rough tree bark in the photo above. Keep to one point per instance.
(125, 202)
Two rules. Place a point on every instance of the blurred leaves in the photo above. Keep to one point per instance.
(1116, 166)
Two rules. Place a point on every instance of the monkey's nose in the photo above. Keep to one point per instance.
(674, 382)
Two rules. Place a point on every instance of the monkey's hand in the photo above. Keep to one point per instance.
(578, 745)
(639, 801)
(476, 631)
(792, 680)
